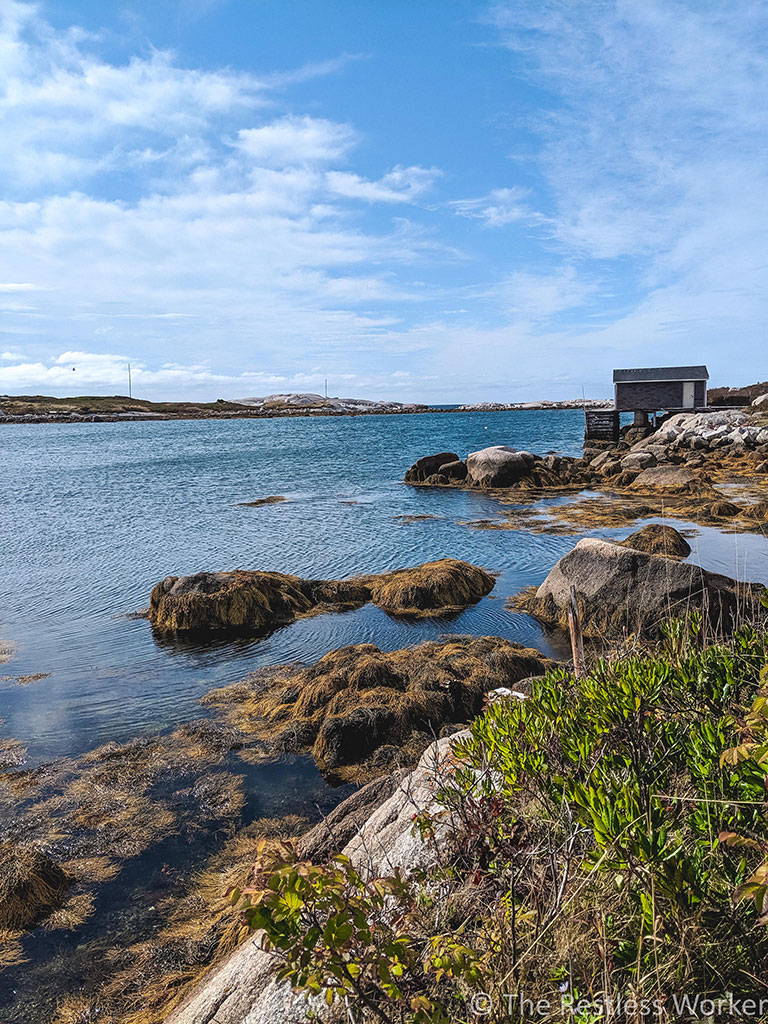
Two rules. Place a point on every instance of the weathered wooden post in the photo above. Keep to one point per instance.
(577, 641)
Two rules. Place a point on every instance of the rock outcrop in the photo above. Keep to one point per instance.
(672, 480)
(500, 467)
(619, 590)
(357, 700)
(249, 602)
(242, 989)
(657, 539)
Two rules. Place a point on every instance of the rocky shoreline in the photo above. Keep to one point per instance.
(708, 467)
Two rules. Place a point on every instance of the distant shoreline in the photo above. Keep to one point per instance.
(121, 409)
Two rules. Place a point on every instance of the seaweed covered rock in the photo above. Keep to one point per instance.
(657, 539)
(358, 698)
(31, 886)
(429, 465)
(620, 589)
(434, 588)
(209, 601)
(246, 602)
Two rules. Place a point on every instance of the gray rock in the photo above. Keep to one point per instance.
(498, 466)
(387, 839)
(336, 829)
(454, 470)
(599, 461)
(670, 480)
(636, 461)
(619, 589)
(426, 466)
(761, 402)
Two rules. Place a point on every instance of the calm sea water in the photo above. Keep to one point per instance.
(93, 515)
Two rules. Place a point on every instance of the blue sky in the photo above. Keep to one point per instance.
(438, 201)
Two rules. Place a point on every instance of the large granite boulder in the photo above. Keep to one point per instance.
(429, 465)
(498, 466)
(619, 589)
(761, 402)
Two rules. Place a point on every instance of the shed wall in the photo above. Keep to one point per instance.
(649, 395)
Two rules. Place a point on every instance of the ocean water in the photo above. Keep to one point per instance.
(93, 515)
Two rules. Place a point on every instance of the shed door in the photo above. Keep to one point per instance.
(689, 399)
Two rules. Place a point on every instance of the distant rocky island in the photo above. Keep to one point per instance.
(117, 408)
(309, 404)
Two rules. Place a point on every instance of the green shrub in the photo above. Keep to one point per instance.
(584, 829)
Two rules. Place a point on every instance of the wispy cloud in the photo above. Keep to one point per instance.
(500, 207)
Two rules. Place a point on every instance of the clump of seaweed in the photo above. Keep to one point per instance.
(243, 601)
(31, 886)
(359, 698)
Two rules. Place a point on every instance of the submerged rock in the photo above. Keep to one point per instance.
(243, 601)
(656, 539)
(31, 886)
(620, 589)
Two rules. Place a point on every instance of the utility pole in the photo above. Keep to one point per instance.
(129, 381)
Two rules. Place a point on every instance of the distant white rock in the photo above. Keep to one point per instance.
(308, 401)
(575, 403)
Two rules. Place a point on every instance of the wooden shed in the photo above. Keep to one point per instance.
(652, 389)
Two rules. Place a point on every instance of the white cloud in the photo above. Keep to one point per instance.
(402, 184)
(293, 141)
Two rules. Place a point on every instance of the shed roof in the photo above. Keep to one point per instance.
(651, 373)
